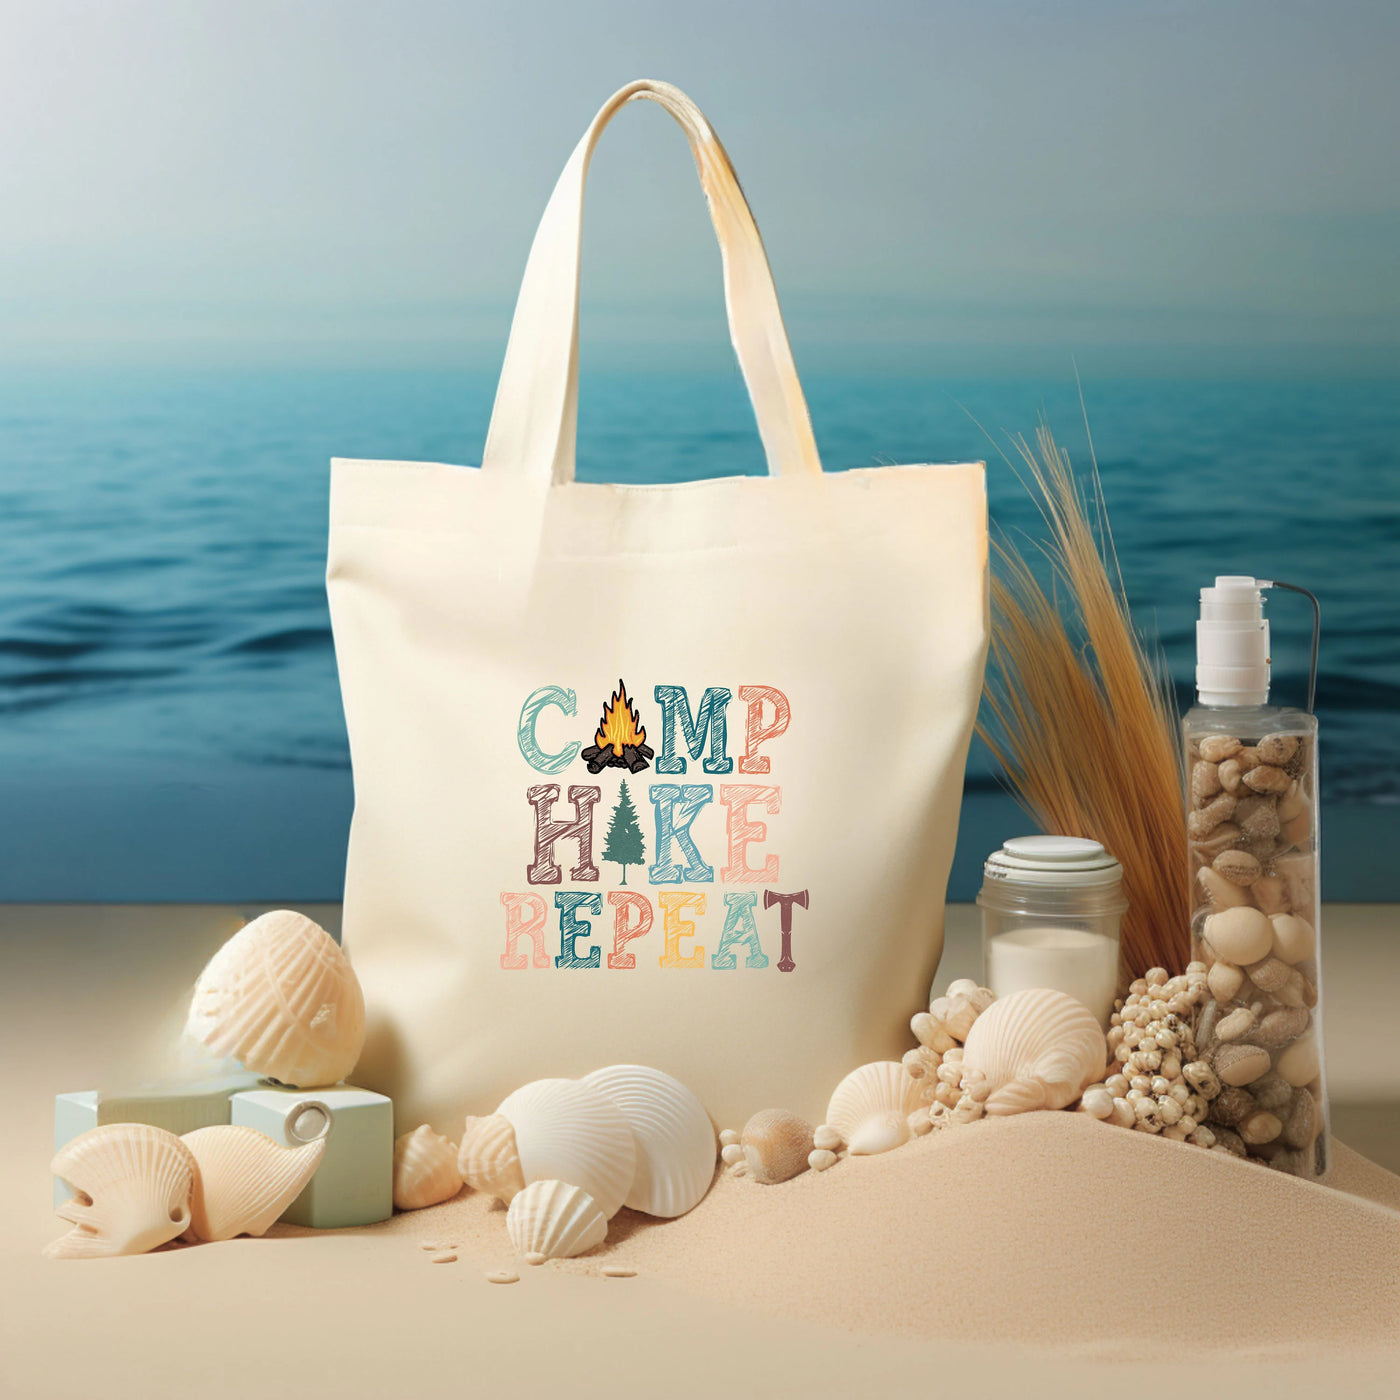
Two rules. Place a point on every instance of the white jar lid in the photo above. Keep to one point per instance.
(1053, 860)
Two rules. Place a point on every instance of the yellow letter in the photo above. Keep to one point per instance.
(672, 902)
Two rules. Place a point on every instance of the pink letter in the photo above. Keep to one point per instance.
(626, 928)
(737, 797)
(520, 924)
(756, 732)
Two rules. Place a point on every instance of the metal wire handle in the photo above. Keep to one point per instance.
(1316, 633)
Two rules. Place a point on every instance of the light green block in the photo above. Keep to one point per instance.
(178, 1110)
(354, 1185)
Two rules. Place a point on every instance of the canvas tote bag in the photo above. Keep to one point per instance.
(783, 672)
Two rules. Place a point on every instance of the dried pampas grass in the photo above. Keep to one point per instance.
(1076, 712)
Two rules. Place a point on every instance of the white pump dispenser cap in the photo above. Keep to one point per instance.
(1232, 643)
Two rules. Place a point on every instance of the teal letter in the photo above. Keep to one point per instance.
(525, 731)
(739, 928)
(572, 928)
(676, 807)
(675, 705)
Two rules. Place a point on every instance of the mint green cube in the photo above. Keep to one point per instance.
(178, 1110)
(354, 1185)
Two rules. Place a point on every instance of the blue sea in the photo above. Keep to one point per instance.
(167, 678)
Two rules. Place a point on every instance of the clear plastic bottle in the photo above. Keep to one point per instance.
(1252, 832)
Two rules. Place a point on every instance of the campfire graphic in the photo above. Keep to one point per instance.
(620, 741)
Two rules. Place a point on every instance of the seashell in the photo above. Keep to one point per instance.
(1301, 1063)
(281, 998)
(1222, 893)
(1224, 980)
(1240, 1064)
(870, 1107)
(1205, 781)
(1266, 778)
(1294, 939)
(777, 1145)
(729, 1135)
(1037, 1048)
(1242, 935)
(1268, 894)
(1277, 749)
(425, 1169)
(821, 1159)
(732, 1153)
(827, 1137)
(245, 1180)
(488, 1159)
(1215, 747)
(1281, 1027)
(1097, 1102)
(674, 1139)
(1201, 822)
(131, 1191)
(565, 1131)
(1239, 867)
(1257, 818)
(554, 1220)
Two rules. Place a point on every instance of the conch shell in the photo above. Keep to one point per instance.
(131, 1190)
(488, 1158)
(674, 1137)
(425, 1170)
(870, 1107)
(554, 1220)
(566, 1131)
(245, 1179)
(1036, 1048)
(281, 997)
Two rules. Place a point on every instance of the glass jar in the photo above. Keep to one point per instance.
(1051, 913)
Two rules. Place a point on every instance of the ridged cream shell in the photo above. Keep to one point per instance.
(1036, 1048)
(245, 1179)
(281, 998)
(565, 1131)
(425, 1169)
(131, 1185)
(674, 1137)
(554, 1220)
(870, 1107)
(488, 1158)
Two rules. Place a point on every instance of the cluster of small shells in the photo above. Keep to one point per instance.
(1161, 1085)
(1254, 878)
(936, 1062)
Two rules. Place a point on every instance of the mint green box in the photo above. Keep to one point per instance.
(178, 1110)
(354, 1185)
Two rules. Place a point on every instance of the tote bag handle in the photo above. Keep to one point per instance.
(535, 419)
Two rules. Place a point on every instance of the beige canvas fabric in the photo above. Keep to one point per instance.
(801, 656)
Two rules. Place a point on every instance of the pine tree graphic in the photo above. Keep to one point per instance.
(623, 844)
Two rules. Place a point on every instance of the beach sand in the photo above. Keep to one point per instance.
(1045, 1254)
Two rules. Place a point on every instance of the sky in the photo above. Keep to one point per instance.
(1183, 187)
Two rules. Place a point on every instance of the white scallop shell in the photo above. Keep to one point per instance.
(1036, 1048)
(870, 1107)
(553, 1220)
(489, 1159)
(425, 1169)
(245, 1180)
(565, 1131)
(674, 1137)
(131, 1190)
(281, 998)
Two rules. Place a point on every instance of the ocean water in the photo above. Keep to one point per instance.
(162, 537)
